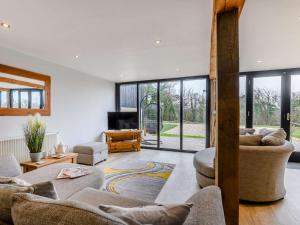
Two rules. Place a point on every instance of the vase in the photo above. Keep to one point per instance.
(35, 157)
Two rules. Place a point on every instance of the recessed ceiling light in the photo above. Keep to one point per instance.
(259, 61)
(157, 42)
(177, 69)
(76, 56)
(5, 25)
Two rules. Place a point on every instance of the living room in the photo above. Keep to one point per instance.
(149, 112)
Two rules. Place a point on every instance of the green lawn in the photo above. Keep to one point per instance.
(296, 133)
(168, 126)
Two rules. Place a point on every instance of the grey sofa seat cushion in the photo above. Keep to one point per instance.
(30, 209)
(204, 162)
(65, 187)
(90, 148)
(9, 167)
(207, 209)
(96, 198)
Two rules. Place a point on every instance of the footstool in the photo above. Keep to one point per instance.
(91, 153)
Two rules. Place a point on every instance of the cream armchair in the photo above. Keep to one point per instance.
(262, 171)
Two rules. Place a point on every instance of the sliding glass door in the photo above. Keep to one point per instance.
(194, 114)
(267, 102)
(169, 92)
(294, 116)
(173, 114)
(148, 114)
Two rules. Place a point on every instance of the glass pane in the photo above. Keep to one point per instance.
(148, 113)
(4, 102)
(295, 111)
(15, 99)
(170, 114)
(35, 100)
(128, 97)
(194, 114)
(266, 102)
(242, 101)
(24, 100)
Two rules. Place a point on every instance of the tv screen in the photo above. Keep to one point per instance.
(123, 120)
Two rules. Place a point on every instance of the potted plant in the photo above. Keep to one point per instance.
(34, 132)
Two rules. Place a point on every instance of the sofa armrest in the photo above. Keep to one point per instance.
(207, 208)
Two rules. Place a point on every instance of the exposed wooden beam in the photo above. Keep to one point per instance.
(218, 7)
(20, 82)
(228, 112)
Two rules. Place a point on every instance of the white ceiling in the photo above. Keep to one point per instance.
(115, 39)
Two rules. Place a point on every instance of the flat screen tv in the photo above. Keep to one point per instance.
(123, 120)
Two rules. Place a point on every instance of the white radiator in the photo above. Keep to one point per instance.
(18, 148)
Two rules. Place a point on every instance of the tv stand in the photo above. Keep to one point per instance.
(123, 140)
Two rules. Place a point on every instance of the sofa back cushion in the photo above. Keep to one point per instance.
(275, 138)
(6, 195)
(31, 209)
(9, 166)
(250, 140)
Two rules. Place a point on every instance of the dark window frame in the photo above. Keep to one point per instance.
(29, 91)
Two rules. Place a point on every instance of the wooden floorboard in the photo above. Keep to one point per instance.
(182, 184)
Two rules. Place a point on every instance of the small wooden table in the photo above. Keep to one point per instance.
(123, 140)
(69, 158)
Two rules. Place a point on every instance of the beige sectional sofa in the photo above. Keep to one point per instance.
(207, 208)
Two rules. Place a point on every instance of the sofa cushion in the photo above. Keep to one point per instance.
(9, 166)
(45, 189)
(244, 131)
(204, 162)
(6, 193)
(30, 209)
(65, 187)
(264, 131)
(96, 197)
(275, 138)
(174, 214)
(90, 148)
(250, 140)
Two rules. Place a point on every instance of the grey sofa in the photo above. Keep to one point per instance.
(261, 172)
(207, 208)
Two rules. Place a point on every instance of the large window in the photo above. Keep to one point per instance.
(242, 101)
(295, 111)
(173, 113)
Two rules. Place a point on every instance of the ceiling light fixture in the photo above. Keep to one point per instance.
(157, 42)
(4, 25)
(259, 61)
(76, 56)
(177, 69)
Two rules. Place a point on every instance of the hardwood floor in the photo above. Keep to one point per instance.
(182, 184)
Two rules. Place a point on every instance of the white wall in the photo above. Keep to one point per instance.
(79, 102)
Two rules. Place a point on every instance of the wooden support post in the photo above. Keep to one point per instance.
(228, 113)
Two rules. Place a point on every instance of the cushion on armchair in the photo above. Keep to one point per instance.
(9, 166)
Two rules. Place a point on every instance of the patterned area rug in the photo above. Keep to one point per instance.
(137, 179)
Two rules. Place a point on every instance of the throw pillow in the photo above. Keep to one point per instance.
(52, 212)
(13, 181)
(250, 140)
(244, 131)
(9, 166)
(6, 193)
(152, 214)
(45, 189)
(264, 132)
(276, 138)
